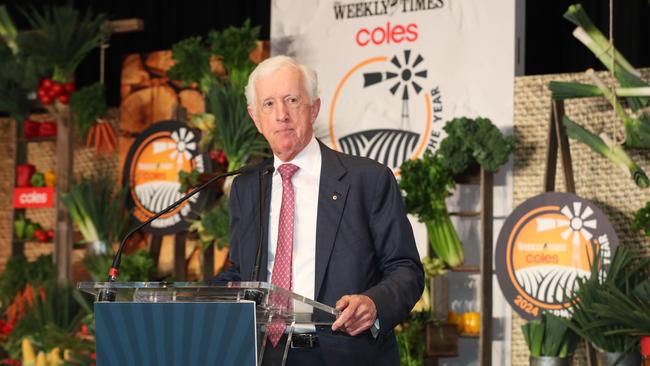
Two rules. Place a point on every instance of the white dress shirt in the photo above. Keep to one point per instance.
(306, 182)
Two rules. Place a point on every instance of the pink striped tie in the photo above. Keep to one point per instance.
(281, 275)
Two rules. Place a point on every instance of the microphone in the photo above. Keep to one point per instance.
(109, 295)
(269, 169)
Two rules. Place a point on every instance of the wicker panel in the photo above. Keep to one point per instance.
(596, 178)
(42, 155)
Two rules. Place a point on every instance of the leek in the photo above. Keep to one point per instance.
(567, 90)
(604, 146)
(8, 30)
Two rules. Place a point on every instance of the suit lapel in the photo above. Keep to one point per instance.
(266, 186)
(332, 196)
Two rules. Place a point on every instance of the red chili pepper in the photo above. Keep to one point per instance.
(31, 128)
(24, 173)
(47, 128)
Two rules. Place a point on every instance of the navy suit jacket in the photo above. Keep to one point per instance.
(364, 245)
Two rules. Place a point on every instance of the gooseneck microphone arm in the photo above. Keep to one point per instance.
(114, 270)
(258, 256)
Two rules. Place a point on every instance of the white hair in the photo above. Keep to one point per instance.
(271, 65)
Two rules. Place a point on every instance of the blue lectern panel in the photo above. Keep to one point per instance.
(142, 334)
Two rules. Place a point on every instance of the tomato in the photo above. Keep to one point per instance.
(41, 92)
(46, 83)
(46, 99)
(69, 87)
(64, 98)
(57, 89)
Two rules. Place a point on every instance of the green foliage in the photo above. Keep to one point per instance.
(236, 134)
(473, 140)
(188, 180)
(625, 273)
(97, 208)
(18, 75)
(214, 225)
(88, 104)
(137, 266)
(192, 64)
(62, 36)
(549, 336)
(641, 219)
(18, 272)
(410, 339)
(51, 321)
(235, 44)
(426, 184)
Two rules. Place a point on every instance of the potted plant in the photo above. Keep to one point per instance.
(550, 341)
(592, 299)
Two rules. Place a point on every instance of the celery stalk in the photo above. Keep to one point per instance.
(444, 240)
(604, 146)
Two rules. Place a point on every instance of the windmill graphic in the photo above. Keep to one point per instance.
(391, 146)
(400, 79)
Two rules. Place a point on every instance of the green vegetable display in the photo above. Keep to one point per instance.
(88, 104)
(641, 219)
(473, 140)
(37, 180)
(602, 145)
(549, 336)
(633, 89)
(234, 45)
(429, 205)
(62, 38)
(192, 64)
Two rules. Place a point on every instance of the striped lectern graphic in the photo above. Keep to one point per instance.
(175, 334)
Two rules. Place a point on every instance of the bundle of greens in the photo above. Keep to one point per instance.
(137, 266)
(605, 147)
(549, 336)
(97, 209)
(61, 37)
(635, 91)
(641, 219)
(88, 104)
(591, 300)
(236, 134)
(214, 225)
(19, 271)
(471, 141)
(192, 64)
(234, 45)
(426, 184)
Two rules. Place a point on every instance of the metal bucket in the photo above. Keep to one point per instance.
(610, 358)
(549, 361)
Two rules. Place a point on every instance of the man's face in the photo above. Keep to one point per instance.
(283, 112)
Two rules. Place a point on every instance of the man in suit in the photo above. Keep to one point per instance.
(336, 227)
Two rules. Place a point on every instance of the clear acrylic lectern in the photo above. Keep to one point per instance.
(190, 323)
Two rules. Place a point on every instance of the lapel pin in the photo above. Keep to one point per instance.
(335, 196)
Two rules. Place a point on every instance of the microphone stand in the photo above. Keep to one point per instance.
(108, 294)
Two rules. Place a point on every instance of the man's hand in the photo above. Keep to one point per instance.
(358, 314)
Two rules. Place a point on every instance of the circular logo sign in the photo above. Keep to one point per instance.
(386, 108)
(151, 175)
(544, 246)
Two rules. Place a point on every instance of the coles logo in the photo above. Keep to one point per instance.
(388, 34)
(386, 108)
(544, 246)
(29, 197)
(151, 175)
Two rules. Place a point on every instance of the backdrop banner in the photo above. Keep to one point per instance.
(391, 74)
